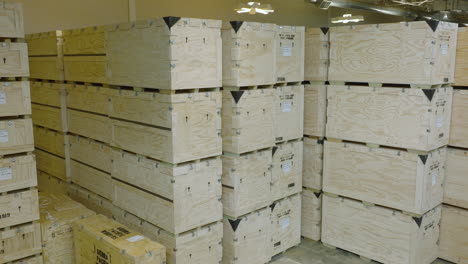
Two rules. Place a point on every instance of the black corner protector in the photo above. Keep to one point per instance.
(272, 206)
(235, 223)
(462, 25)
(317, 194)
(433, 24)
(274, 151)
(325, 30)
(418, 220)
(171, 20)
(423, 158)
(237, 95)
(236, 25)
(320, 141)
(429, 93)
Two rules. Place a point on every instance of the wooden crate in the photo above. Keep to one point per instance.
(92, 179)
(248, 120)
(19, 207)
(418, 53)
(461, 58)
(85, 41)
(49, 93)
(317, 50)
(246, 182)
(12, 20)
(315, 109)
(46, 68)
(289, 112)
(44, 43)
(289, 54)
(246, 239)
(17, 172)
(456, 178)
(100, 239)
(46, 55)
(459, 123)
(97, 127)
(15, 98)
(85, 68)
(287, 169)
(171, 215)
(379, 233)
(50, 117)
(58, 212)
(51, 141)
(311, 215)
(15, 59)
(88, 98)
(91, 200)
(93, 153)
(249, 53)
(313, 163)
(453, 239)
(30, 260)
(51, 184)
(53, 165)
(417, 119)
(286, 224)
(16, 136)
(20, 242)
(393, 178)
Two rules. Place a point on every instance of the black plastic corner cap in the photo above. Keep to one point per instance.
(433, 24)
(235, 223)
(236, 25)
(317, 194)
(461, 25)
(324, 30)
(237, 95)
(320, 141)
(423, 158)
(171, 21)
(429, 93)
(272, 206)
(274, 151)
(418, 220)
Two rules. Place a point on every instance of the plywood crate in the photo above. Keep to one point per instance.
(417, 119)
(91, 178)
(289, 112)
(90, 199)
(286, 224)
(91, 152)
(313, 163)
(379, 233)
(289, 54)
(459, 123)
(19, 207)
(461, 58)
(100, 239)
(12, 20)
(30, 260)
(58, 212)
(247, 239)
(418, 53)
(20, 241)
(311, 214)
(453, 239)
(287, 169)
(15, 59)
(54, 142)
(317, 50)
(246, 182)
(49, 94)
(17, 172)
(53, 164)
(249, 53)
(46, 55)
(248, 120)
(16, 136)
(90, 125)
(393, 178)
(15, 98)
(456, 178)
(51, 184)
(315, 109)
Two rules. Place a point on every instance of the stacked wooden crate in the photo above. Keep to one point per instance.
(262, 118)
(19, 226)
(388, 120)
(315, 107)
(454, 224)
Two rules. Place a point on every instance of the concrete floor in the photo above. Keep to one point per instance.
(310, 252)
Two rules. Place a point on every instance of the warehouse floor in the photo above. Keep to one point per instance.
(309, 252)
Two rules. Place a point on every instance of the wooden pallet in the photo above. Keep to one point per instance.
(311, 214)
(456, 181)
(453, 240)
(315, 109)
(12, 17)
(17, 172)
(313, 163)
(247, 239)
(287, 165)
(20, 241)
(19, 207)
(461, 59)
(51, 184)
(249, 53)
(289, 112)
(289, 54)
(407, 53)
(416, 119)
(317, 50)
(15, 98)
(379, 233)
(16, 136)
(286, 224)
(459, 123)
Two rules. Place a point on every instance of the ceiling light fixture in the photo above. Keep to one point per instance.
(255, 7)
(347, 18)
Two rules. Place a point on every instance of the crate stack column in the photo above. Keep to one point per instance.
(454, 223)
(19, 225)
(315, 108)
(384, 158)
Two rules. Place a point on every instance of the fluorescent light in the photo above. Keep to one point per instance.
(254, 8)
(347, 18)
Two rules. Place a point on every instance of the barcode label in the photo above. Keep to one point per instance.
(3, 136)
(5, 174)
(135, 238)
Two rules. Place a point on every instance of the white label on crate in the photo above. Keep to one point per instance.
(287, 166)
(284, 222)
(135, 238)
(2, 98)
(440, 121)
(434, 178)
(5, 174)
(287, 51)
(286, 107)
(444, 49)
(3, 136)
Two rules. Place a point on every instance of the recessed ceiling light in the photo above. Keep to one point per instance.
(254, 8)
(347, 18)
